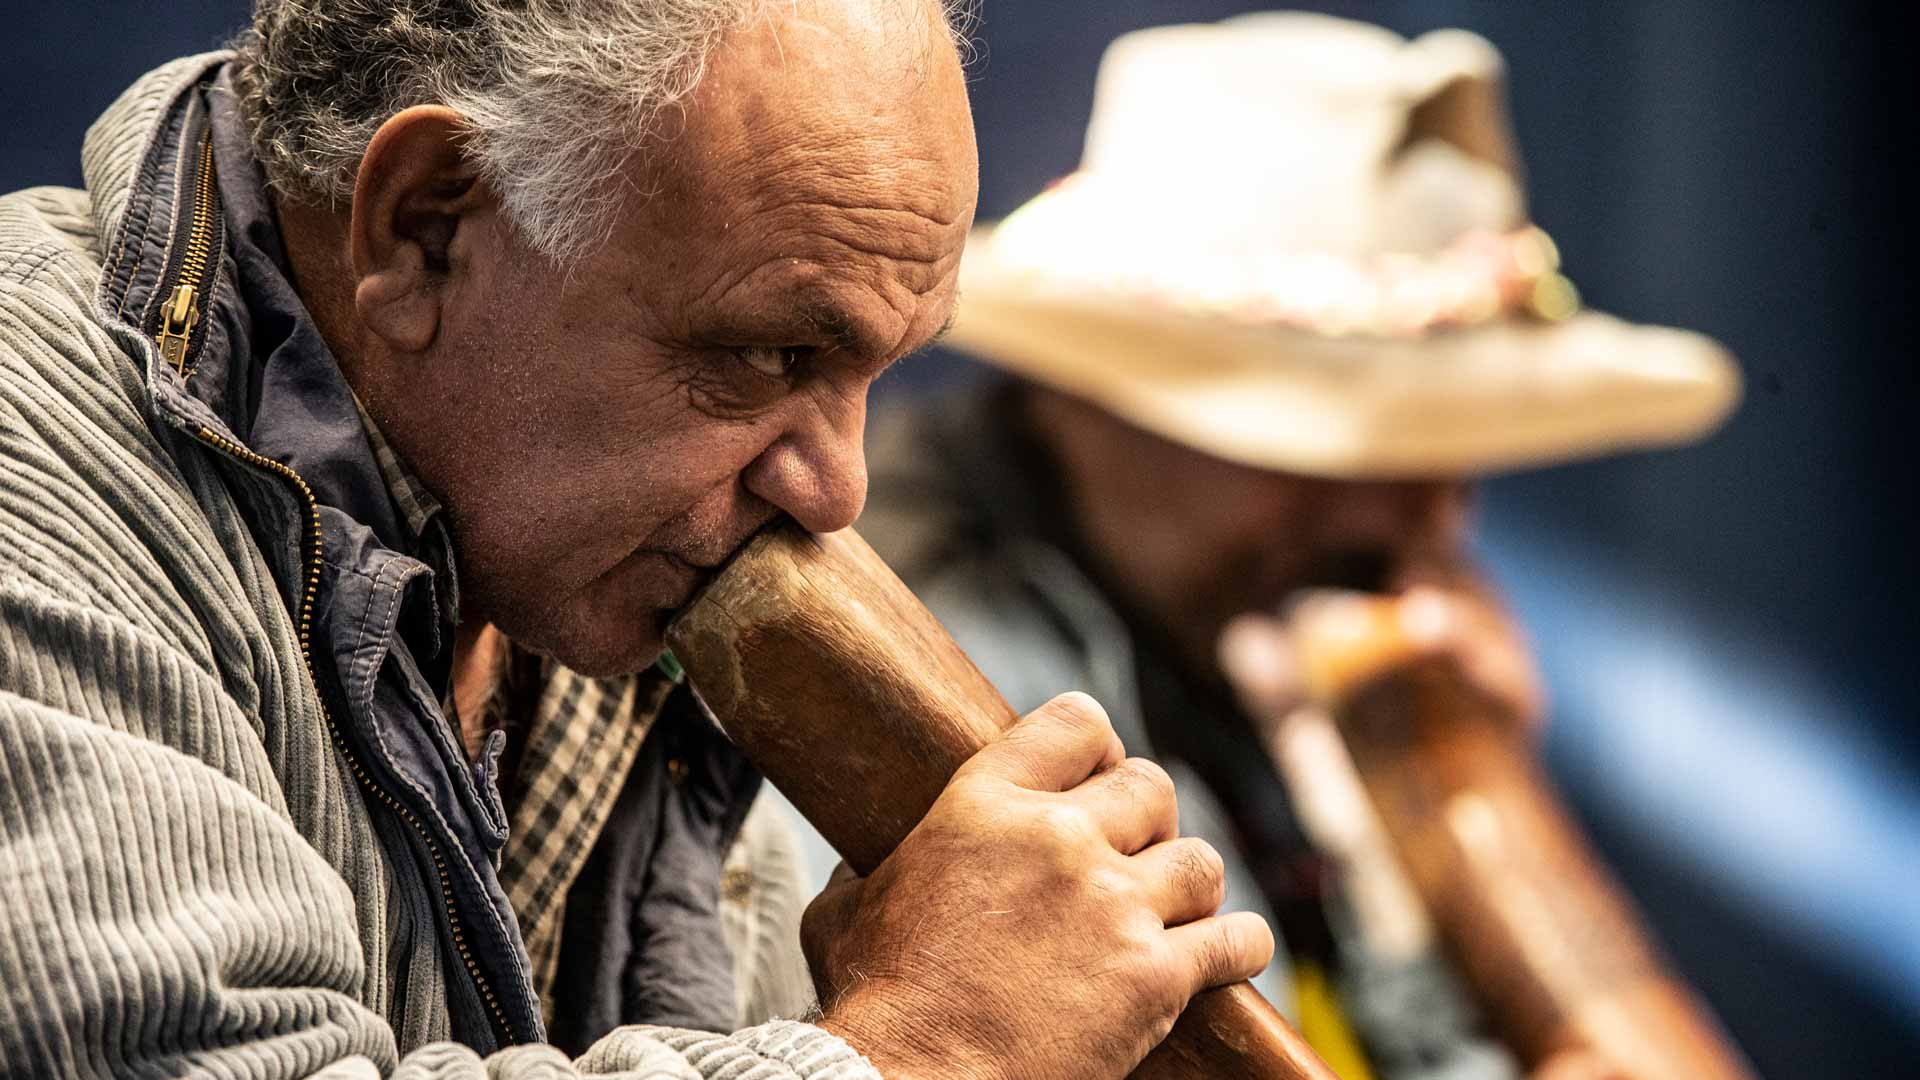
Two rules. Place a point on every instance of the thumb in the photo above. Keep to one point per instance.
(826, 921)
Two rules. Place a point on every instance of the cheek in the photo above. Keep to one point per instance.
(599, 469)
(1253, 545)
(677, 483)
(599, 423)
(597, 446)
(1232, 515)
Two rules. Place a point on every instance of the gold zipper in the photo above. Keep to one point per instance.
(181, 313)
(179, 317)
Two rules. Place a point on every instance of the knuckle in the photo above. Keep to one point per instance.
(964, 797)
(1210, 858)
(1081, 714)
(1199, 872)
(965, 787)
(1025, 762)
(1147, 776)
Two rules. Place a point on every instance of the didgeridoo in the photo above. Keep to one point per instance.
(1546, 938)
(849, 696)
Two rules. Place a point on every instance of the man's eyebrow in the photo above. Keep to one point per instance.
(841, 329)
(835, 325)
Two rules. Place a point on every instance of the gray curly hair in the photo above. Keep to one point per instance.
(559, 94)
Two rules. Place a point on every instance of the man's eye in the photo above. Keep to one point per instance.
(771, 362)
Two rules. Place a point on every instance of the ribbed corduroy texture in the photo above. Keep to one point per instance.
(761, 900)
(189, 879)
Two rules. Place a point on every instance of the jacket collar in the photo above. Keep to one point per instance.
(259, 375)
(287, 396)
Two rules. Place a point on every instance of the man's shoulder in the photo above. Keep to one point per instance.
(50, 328)
(63, 367)
(49, 242)
(90, 485)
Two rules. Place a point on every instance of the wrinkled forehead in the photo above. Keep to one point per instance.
(860, 105)
(824, 162)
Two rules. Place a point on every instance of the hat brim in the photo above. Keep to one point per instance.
(1508, 395)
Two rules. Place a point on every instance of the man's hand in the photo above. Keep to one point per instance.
(1257, 652)
(1043, 921)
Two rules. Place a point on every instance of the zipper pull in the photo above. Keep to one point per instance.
(177, 320)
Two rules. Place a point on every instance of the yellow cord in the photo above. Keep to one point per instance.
(1324, 1025)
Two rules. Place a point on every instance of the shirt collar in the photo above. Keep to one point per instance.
(420, 512)
(417, 506)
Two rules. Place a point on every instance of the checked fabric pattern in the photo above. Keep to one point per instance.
(583, 739)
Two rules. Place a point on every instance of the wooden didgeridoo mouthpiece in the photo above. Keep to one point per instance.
(1548, 941)
(849, 696)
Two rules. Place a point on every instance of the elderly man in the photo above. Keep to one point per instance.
(364, 421)
(1251, 351)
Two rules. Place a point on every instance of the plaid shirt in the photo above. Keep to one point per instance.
(421, 512)
(580, 740)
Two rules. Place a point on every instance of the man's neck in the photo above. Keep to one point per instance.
(315, 238)
(480, 655)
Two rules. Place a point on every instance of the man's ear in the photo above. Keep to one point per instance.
(417, 207)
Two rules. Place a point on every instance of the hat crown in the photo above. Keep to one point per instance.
(1292, 132)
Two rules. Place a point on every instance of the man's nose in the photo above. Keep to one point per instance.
(817, 472)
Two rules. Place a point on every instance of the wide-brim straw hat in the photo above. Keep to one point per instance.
(1300, 243)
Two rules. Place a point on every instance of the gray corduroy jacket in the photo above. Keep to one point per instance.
(216, 856)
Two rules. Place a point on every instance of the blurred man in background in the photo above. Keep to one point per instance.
(1257, 346)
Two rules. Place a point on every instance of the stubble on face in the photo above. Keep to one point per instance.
(602, 441)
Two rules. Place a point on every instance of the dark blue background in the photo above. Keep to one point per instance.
(1729, 167)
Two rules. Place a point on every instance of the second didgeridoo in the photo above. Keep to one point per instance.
(1540, 929)
(849, 696)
